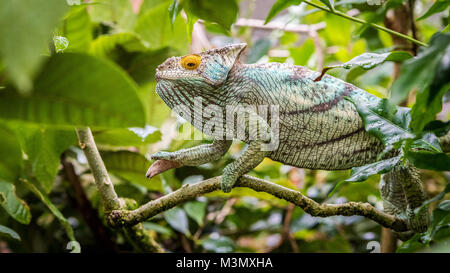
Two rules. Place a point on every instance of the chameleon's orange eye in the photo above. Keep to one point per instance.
(191, 61)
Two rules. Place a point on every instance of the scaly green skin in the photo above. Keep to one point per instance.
(318, 127)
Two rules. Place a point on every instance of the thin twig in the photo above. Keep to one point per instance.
(255, 23)
(361, 21)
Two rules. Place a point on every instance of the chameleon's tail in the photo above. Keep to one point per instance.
(445, 142)
(402, 192)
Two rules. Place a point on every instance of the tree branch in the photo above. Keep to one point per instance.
(109, 198)
(189, 192)
(138, 235)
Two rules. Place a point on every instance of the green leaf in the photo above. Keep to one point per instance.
(191, 20)
(13, 205)
(258, 50)
(44, 198)
(328, 3)
(158, 228)
(77, 90)
(440, 221)
(77, 28)
(196, 210)
(141, 66)
(11, 233)
(371, 60)
(105, 44)
(118, 13)
(429, 100)
(177, 219)
(438, 127)
(131, 167)
(43, 148)
(420, 72)
(10, 155)
(154, 27)
(438, 6)
(175, 9)
(279, 6)
(302, 54)
(359, 174)
(221, 12)
(385, 121)
(128, 137)
(218, 244)
(61, 43)
(26, 28)
(429, 160)
(412, 245)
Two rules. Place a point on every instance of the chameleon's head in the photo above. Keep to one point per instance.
(180, 79)
(211, 66)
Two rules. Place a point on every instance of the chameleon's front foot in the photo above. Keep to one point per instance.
(163, 155)
(164, 162)
(228, 179)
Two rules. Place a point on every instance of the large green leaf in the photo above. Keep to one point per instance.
(131, 167)
(13, 205)
(10, 155)
(141, 66)
(154, 26)
(105, 44)
(279, 6)
(359, 174)
(77, 90)
(25, 29)
(77, 28)
(221, 12)
(11, 233)
(420, 72)
(385, 121)
(43, 148)
(128, 137)
(117, 13)
(429, 160)
(429, 99)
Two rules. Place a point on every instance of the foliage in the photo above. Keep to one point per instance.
(65, 65)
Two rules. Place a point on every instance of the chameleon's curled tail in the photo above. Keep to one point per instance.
(402, 192)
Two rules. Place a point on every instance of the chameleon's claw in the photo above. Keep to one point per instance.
(162, 155)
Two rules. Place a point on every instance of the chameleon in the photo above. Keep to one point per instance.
(317, 128)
